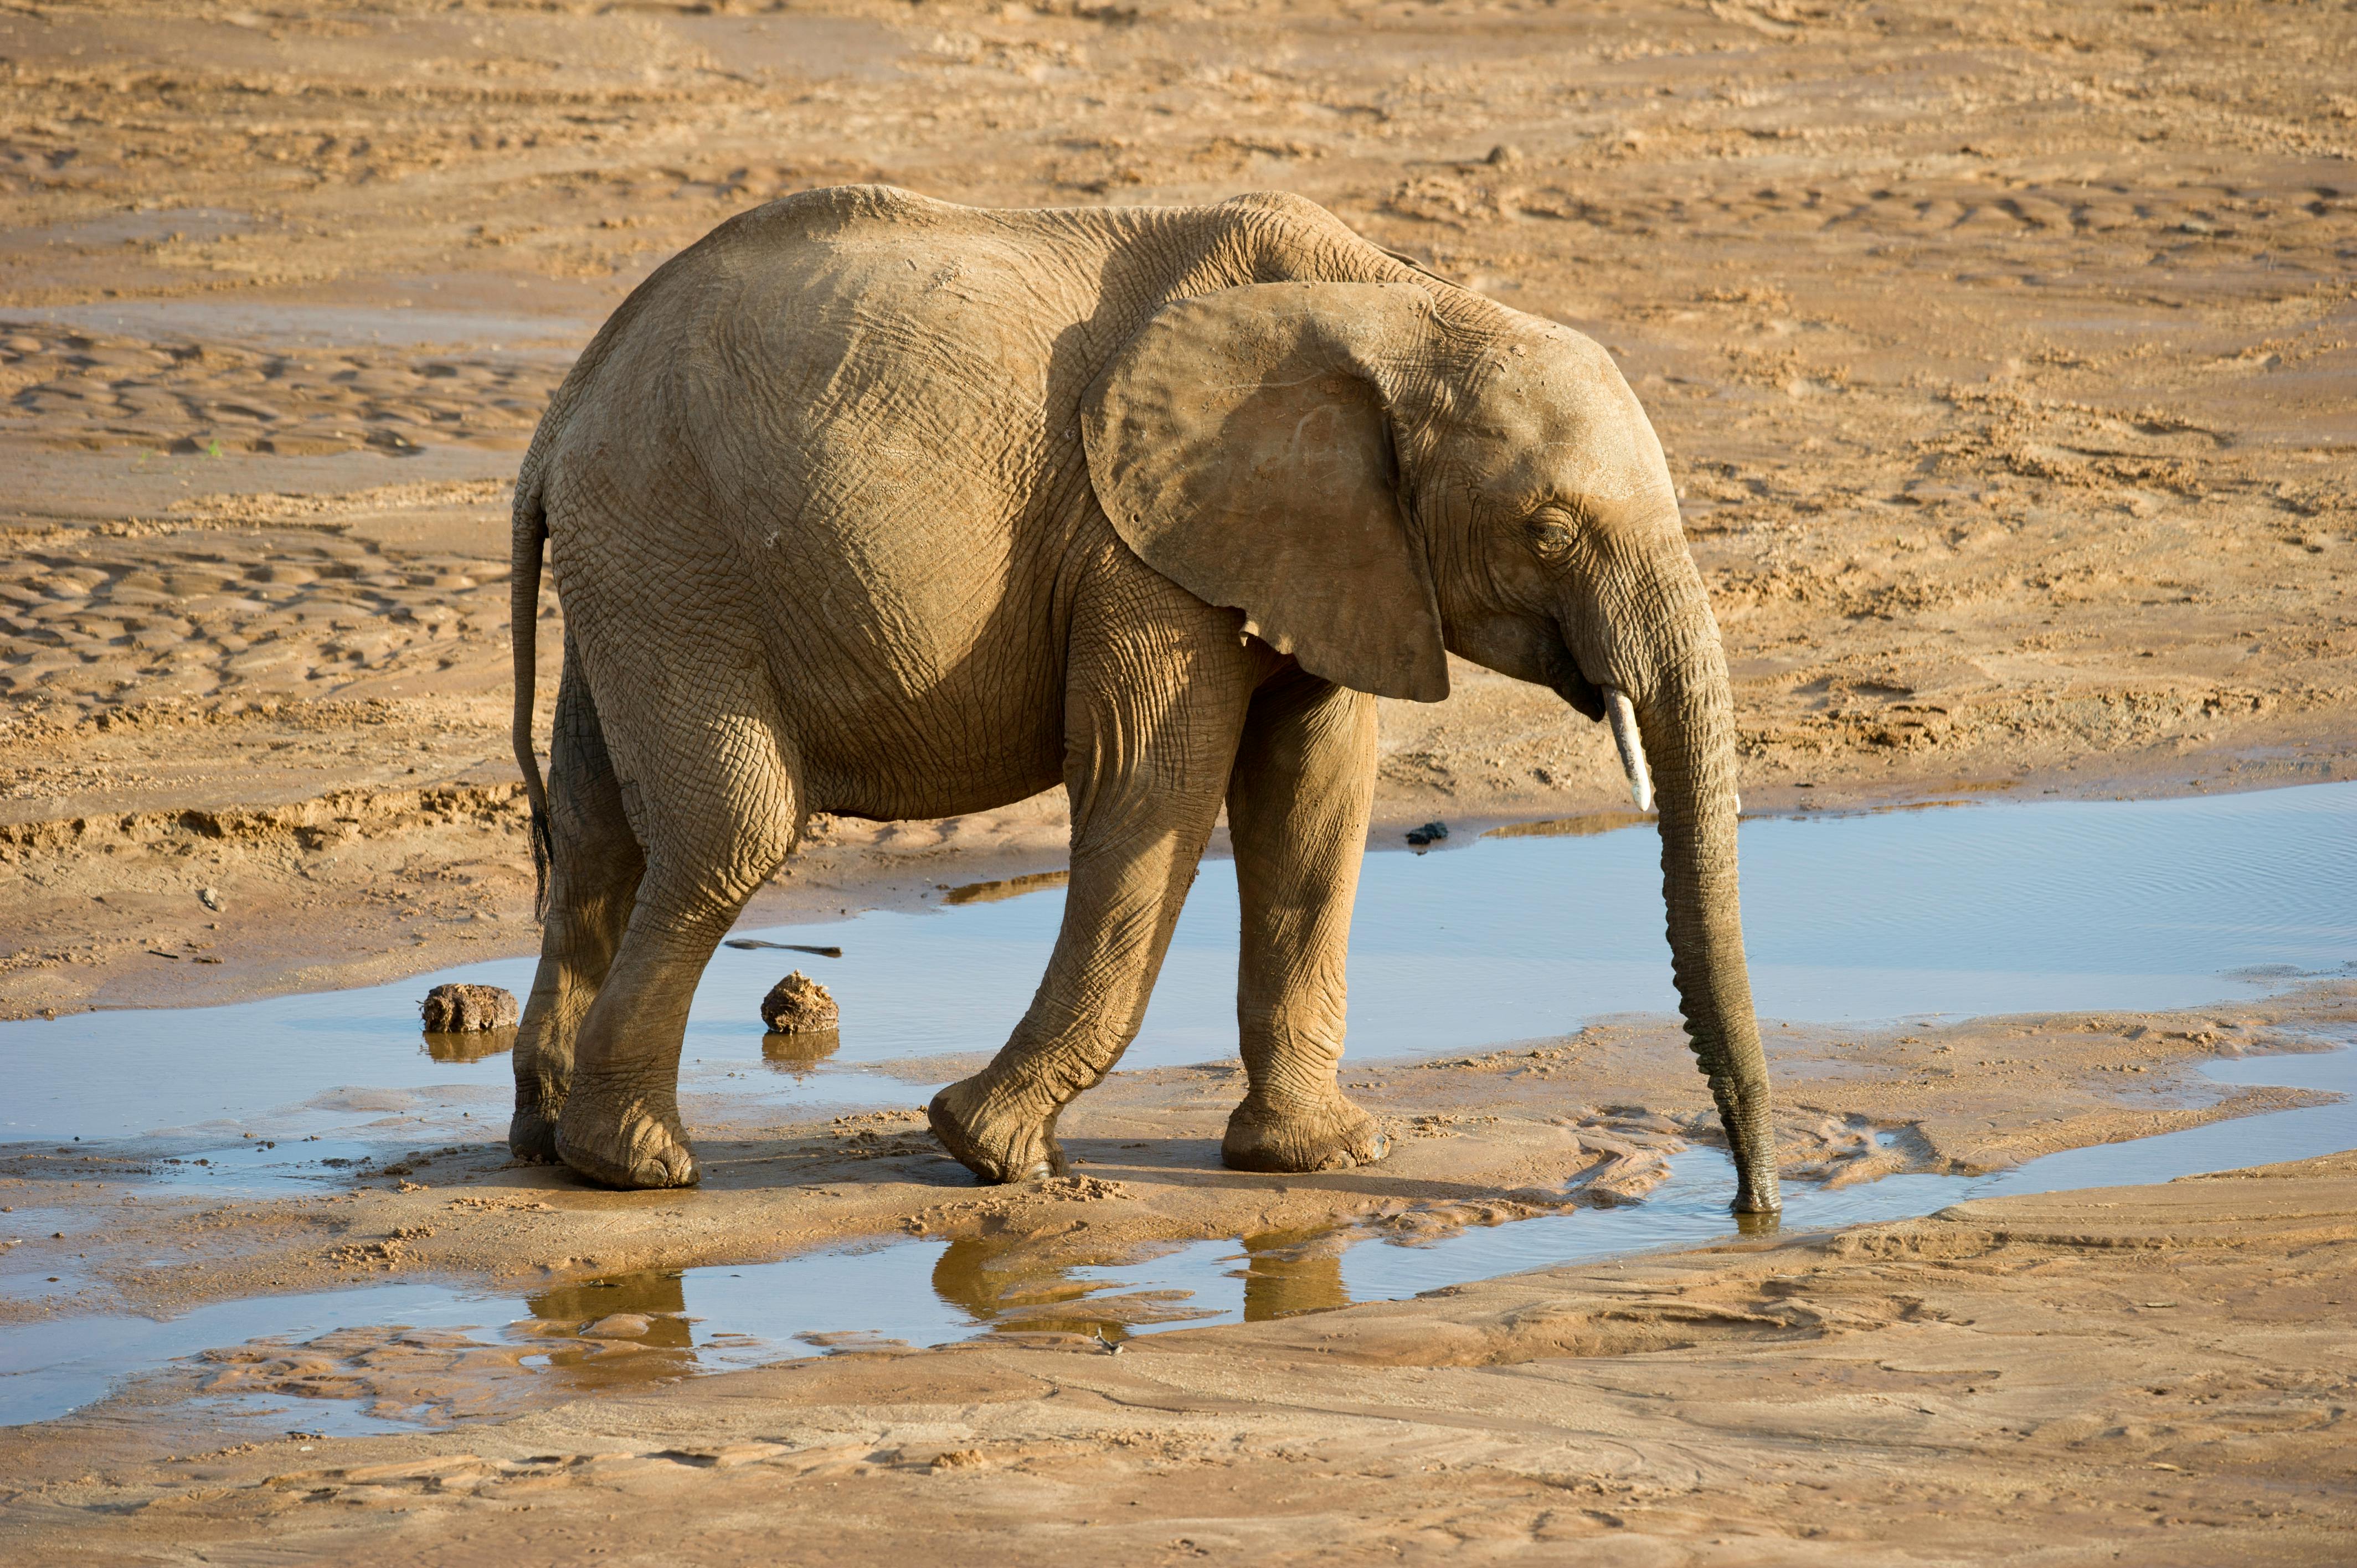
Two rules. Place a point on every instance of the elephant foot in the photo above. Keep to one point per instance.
(625, 1144)
(993, 1136)
(1331, 1135)
(539, 1105)
(531, 1137)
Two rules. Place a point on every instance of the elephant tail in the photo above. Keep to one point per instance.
(530, 530)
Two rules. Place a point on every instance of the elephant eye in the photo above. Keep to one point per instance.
(1548, 534)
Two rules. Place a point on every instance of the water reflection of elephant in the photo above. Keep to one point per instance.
(659, 1296)
(470, 1045)
(1291, 1272)
(1026, 1285)
(799, 1053)
(1005, 1279)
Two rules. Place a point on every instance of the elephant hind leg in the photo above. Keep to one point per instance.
(713, 790)
(1298, 805)
(594, 874)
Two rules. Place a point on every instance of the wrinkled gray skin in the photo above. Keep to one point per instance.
(872, 505)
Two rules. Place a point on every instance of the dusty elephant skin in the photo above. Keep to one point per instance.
(876, 506)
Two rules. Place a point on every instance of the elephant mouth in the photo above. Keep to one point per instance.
(1609, 704)
(1572, 684)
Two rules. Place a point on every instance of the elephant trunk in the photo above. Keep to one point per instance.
(1685, 718)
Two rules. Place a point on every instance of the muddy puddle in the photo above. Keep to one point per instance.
(1982, 909)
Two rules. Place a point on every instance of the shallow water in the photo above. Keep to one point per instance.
(2005, 908)
(1978, 910)
(922, 1292)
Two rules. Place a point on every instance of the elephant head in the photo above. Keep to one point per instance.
(1376, 472)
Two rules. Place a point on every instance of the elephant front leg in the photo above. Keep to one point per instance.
(1154, 705)
(1299, 803)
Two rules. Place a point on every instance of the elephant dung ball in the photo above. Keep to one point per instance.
(462, 1009)
(799, 1005)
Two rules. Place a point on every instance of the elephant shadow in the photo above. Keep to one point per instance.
(912, 1157)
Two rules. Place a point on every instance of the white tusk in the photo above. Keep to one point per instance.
(1623, 715)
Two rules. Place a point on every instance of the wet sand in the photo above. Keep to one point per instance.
(2166, 1360)
(2002, 359)
(2155, 1374)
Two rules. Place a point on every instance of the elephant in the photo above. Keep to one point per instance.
(878, 506)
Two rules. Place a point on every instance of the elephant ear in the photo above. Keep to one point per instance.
(1243, 447)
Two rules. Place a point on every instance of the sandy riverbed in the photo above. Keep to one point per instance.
(2003, 355)
(2058, 1367)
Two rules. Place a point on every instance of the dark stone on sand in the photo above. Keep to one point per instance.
(799, 1005)
(1431, 833)
(460, 1009)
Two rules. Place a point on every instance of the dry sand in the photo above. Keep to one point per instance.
(2002, 353)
